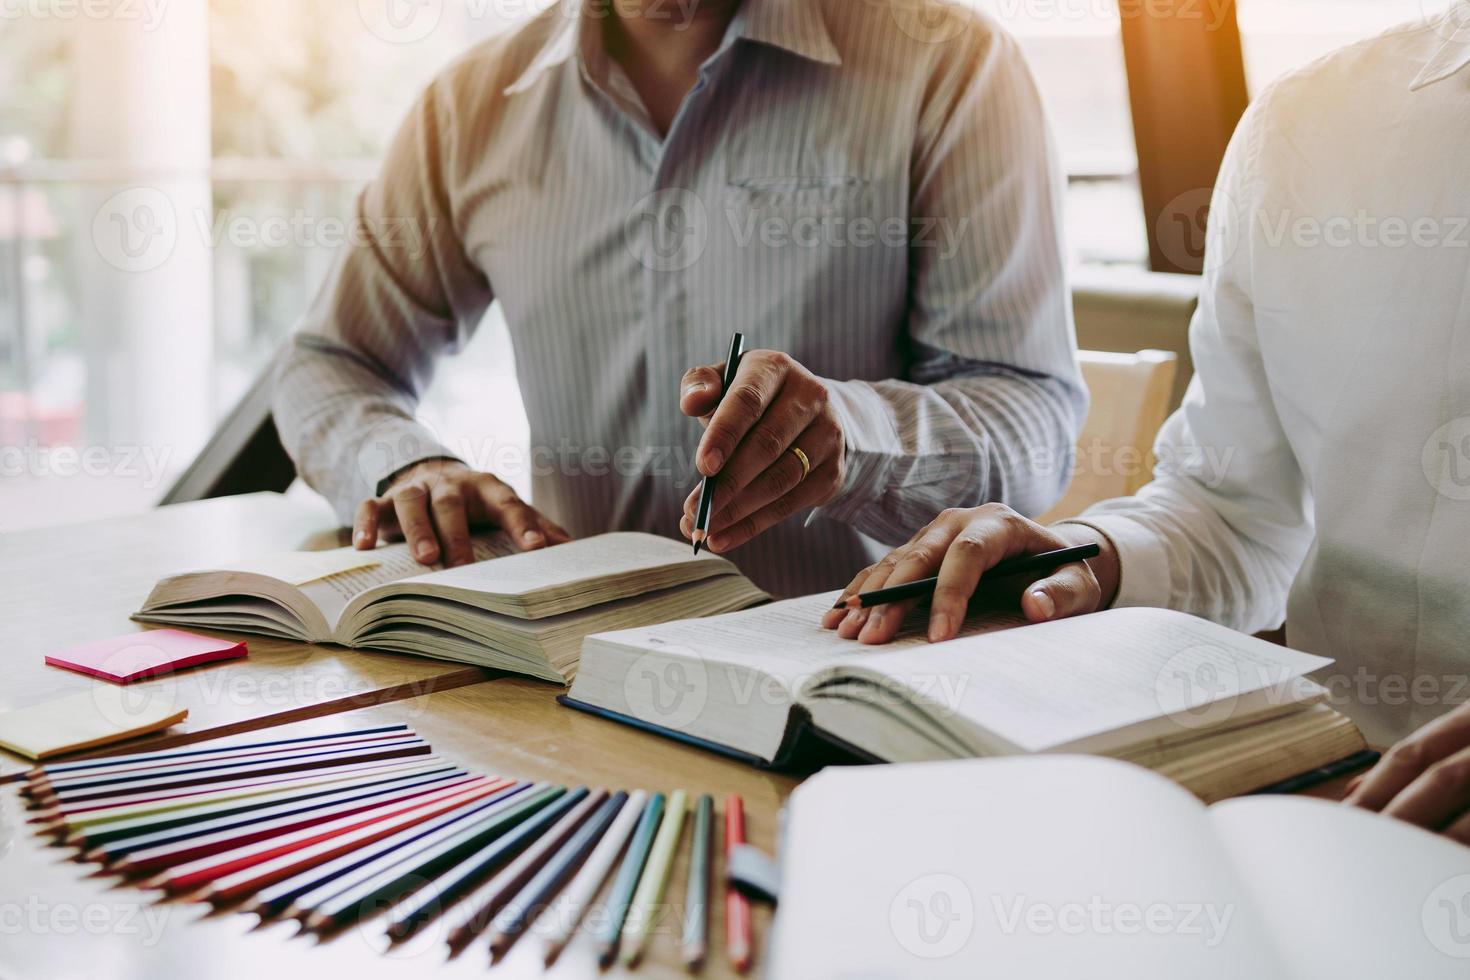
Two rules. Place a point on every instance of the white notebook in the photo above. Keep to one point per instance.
(1073, 867)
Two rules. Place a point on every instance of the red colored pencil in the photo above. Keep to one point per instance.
(237, 873)
(737, 906)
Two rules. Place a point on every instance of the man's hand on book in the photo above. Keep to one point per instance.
(959, 546)
(434, 503)
(774, 440)
(1425, 779)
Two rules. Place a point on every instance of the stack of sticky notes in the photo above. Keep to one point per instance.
(124, 659)
(98, 716)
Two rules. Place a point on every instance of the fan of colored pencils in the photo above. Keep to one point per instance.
(341, 828)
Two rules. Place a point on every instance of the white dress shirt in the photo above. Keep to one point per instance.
(867, 185)
(1319, 469)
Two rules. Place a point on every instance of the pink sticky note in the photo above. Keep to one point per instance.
(129, 658)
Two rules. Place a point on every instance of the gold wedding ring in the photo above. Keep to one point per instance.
(806, 464)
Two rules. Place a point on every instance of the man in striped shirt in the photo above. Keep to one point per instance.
(865, 188)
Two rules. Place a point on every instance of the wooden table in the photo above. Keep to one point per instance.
(64, 586)
(67, 585)
(507, 726)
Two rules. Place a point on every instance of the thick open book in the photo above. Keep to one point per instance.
(1218, 711)
(1078, 867)
(523, 612)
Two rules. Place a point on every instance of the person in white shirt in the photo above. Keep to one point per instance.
(1318, 473)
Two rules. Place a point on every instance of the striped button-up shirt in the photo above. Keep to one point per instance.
(867, 185)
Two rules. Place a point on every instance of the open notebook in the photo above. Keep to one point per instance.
(523, 612)
(1218, 711)
(1079, 867)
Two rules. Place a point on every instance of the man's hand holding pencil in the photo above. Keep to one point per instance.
(772, 439)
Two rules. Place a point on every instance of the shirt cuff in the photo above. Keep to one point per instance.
(863, 415)
(1143, 563)
(389, 445)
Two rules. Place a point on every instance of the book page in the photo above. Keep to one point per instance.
(603, 556)
(786, 639)
(1055, 685)
(1351, 893)
(391, 563)
(1054, 866)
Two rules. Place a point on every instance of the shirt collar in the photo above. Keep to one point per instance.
(1454, 54)
(572, 31)
(798, 26)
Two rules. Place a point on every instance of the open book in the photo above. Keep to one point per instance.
(1078, 867)
(1218, 711)
(523, 612)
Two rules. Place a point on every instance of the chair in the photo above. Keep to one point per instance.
(1131, 397)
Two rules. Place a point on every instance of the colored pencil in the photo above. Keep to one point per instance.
(655, 879)
(230, 838)
(149, 804)
(204, 757)
(707, 485)
(538, 892)
(482, 907)
(737, 906)
(227, 872)
(463, 878)
(697, 891)
(562, 918)
(388, 879)
(510, 805)
(1046, 562)
(107, 787)
(119, 836)
(103, 762)
(627, 880)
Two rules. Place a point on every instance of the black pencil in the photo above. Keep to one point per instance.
(707, 488)
(923, 588)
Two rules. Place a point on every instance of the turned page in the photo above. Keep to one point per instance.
(381, 566)
(1100, 682)
(1055, 866)
(568, 567)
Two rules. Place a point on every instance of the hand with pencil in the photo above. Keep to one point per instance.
(771, 438)
(1066, 570)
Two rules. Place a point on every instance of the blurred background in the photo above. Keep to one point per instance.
(125, 337)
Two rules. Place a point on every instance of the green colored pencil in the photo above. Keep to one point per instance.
(655, 878)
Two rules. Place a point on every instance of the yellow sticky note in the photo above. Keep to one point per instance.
(98, 716)
(301, 567)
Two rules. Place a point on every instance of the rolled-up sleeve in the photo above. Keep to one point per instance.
(402, 293)
(1225, 525)
(993, 401)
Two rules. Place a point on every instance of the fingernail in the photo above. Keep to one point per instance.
(532, 538)
(1044, 603)
(361, 538)
(938, 627)
(698, 388)
(423, 551)
(713, 460)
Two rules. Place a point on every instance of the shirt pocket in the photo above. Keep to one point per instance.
(797, 193)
